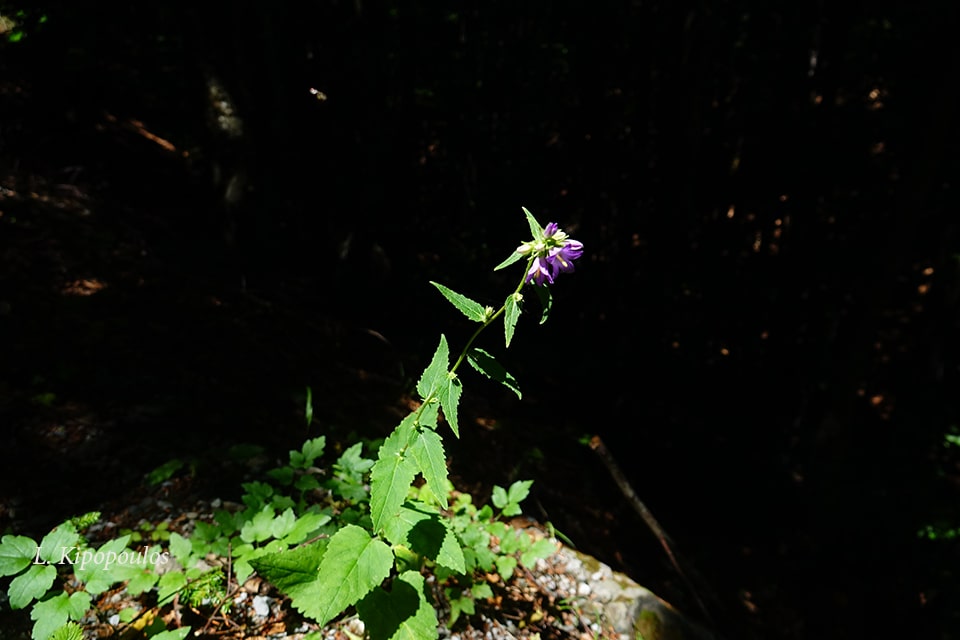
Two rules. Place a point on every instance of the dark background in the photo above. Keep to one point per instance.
(763, 327)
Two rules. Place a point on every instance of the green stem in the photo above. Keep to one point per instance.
(489, 321)
(486, 323)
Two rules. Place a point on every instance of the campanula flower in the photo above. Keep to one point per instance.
(553, 254)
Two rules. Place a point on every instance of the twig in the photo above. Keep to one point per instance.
(596, 443)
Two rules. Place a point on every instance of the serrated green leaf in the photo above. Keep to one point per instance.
(487, 365)
(354, 564)
(514, 257)
(403, 613)
(546, 302)
(61, 539)
(69, 631)
(392, 474)
(535, 227)
(31, 585)
(481, 590)
(16, 552)
(506, 566)
(283, 524)
(100, 569)
(398, 529)
(283, 475)
(180, 548)
(511, 316)
(450, 554)
(473, 310)
(311, 450)
(436, 372)
(519, 491)
(427, 451)
(49, 615)
(288, 569)
(259, 528)
(169, 584)
(542, 548)
(499, 497)
(142, 581)
(305, 525)
(450, 392)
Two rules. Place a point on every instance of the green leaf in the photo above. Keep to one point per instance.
(100, 569)
(511, 316)
(291, 568)
(514, 257)
(403, 613)
(31, 585)
(312, 449)
(546, 302)
(535, 227)
(144, 579)
(436, 373)
(69, 631)
(176, 634)
(450, 393)
(487, 365)
(305, 525)
(169, 584)
(499, 497)
(392, 474)
(353, 565)
(506, 566)
(427, 451)
(50, 615)
(260, 528)
(180, 548)
(164, 472)
(283, 524)
(473, 310)
(542, 548)
(519, 491)
(16, 552)
(59, 541)
(420, 527)
(481, 590)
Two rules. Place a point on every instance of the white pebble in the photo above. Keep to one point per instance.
(261, 605)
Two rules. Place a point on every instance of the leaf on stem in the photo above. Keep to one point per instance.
(546, 302)
(392, 474)
(449, 394)
(354, 564)
(535, 227)
(473, 310)
(516, 256)
(427, 451)
(403, 613)
(434, 375)
(489, 367)
(16, 552)
(511, 316)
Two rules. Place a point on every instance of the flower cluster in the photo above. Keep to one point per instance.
(553, 253)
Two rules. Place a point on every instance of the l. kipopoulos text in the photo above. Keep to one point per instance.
(105, 559)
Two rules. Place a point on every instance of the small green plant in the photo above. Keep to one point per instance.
(358, 533)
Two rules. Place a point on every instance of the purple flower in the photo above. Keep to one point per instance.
(553, 255)
(540, 270)
(561, 258)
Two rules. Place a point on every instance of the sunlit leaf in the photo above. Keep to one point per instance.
(403, 613)
(489, 367)
(473, 310)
